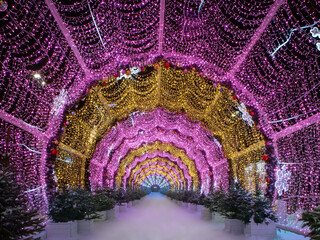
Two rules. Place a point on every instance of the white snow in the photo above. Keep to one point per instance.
(158, 218)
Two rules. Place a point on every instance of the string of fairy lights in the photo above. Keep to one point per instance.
(159, 125)
(158, 180)
(167, 159)
(110, 103)
(38, 69)
(173, 168)
(158, 169)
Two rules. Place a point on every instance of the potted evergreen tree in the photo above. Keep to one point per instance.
(17, 220)
(120, 197)
(311, 219)
(137, 195)
(72, 212)
(216, 202)
(205, 202)
(185, 196)
(194, 200)
(104, 205)
(263, 220)
(236, 207)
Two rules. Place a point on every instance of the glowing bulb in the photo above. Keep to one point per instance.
(37, 75)
(3, 5)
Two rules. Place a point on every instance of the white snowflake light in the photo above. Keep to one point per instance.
(283, 177)
(245, 115)
(59, 102)
(133, 71)
(315, 32)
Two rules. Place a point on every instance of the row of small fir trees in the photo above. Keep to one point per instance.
(21, 220)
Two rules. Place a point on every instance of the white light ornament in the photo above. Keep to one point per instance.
(66, 160)
(245, 115)
(315, 32)
(282, 183)
(133, 71)
(59, 102)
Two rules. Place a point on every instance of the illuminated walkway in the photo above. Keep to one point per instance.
(157, 218)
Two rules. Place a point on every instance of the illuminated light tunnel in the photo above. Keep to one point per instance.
(158, 164)
(165, 157)
(157, 180)
(177, 130)
(185, 177)
(158, 170)
(121, 121)
(247, 72)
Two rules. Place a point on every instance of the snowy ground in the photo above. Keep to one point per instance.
(157, 218)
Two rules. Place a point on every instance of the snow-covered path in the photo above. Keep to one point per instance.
(158, 218)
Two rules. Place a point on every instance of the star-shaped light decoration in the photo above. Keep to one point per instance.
(245, 115)
(59, 102)
(283, 176)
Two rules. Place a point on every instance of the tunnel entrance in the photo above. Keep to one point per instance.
(155, 188)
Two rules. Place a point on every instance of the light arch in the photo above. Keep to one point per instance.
(177, 90)
(155, 161)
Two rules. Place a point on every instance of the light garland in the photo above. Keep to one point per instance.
(177, 153)
(284, 86)
(245, 115)
(298, 172)
(59, 102)
(167, 158)
(139, 181)
(113, 100)
(161, 169)
(155, 161)
(283, 176)
(158, 180)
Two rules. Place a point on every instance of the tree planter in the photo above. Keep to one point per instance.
(218, 218)
(129, 204)
(85, 226)
(117, 210)
(206, 214)
(122, 207)
(179, 203)
(184, 205)
(193, 207)
(262, 231)
(102, 216)
(234, 226)
(111, 214)
(62, 230)
(40, 236)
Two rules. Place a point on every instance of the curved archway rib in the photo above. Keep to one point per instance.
(175, 90)
(164, 169)
(182, 168)
(157, 162)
